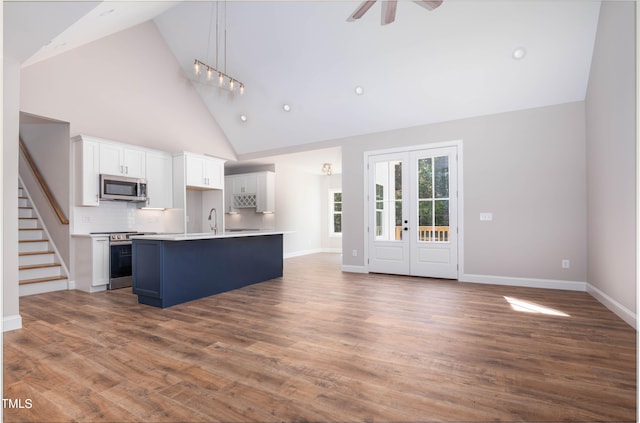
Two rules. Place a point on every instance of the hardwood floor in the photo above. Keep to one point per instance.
(324, 346)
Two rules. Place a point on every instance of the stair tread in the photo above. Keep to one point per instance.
(33, 240)
(37, 280)
(30, 229)
(39, 266)
(35, 253)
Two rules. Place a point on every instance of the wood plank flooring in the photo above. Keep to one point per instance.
(320, 345)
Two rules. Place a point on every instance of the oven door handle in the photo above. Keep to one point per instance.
(120, 243)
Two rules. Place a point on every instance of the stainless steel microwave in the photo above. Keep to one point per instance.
(122, 188)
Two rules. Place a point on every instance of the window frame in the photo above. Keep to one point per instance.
(333, 213)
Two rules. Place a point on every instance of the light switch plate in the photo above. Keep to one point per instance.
(486, 217)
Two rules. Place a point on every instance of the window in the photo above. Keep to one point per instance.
(335, 212)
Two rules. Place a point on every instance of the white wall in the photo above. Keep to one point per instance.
(526, 167)
(10, 129)
(611, 160)
(298, 209)
(126, 87)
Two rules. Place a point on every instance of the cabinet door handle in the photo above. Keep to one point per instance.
(126, 170)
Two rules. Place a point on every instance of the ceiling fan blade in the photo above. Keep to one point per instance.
(361, 10)
(389, 11)
(428, 4)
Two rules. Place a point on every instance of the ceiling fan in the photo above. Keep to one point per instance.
(389, 9)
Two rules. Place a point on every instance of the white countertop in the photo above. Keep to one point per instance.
(91, 235)
(206, 235)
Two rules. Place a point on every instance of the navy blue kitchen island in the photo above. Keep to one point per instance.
(173, 269)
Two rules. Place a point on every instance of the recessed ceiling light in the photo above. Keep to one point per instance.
(286, 107)
(243, 118)
(519, 53)
(359, 90)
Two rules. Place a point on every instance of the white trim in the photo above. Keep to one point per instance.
(524, 282)
(314, 251)
(621, 311)
(354, 269)
(11, 322)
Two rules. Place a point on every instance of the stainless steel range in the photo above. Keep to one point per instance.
(120, 246)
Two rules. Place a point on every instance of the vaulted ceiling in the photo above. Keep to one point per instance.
(453, 62)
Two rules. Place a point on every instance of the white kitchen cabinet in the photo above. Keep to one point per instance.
(251, 190)
(246, 183)
(90, 263)
(116, 159)
(87, 172)
(100, 260)
(159, 173)
(265, 193)
(204, 172)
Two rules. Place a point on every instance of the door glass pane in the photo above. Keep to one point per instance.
(425, 176)
(441, 176)
(433, 199)
(425, 219)
(388, 207)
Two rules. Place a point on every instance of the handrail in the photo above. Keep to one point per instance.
(43, 184)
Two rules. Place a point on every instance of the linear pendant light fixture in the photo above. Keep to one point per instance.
(214, 72)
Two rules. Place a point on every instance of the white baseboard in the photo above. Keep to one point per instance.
(354, 269)
(524, 282)
(621, 311)
(314, 251)
(11, 322)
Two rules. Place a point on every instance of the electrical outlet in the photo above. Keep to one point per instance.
(354, 253)
(565, 264)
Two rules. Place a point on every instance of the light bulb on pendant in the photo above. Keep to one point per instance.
(231, 84)
(220, 79)
(241, 89)
(209, 74)
(196, 67)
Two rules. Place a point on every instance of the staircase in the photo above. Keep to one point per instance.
(39, 265)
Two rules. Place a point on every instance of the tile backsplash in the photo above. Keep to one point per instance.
(115, 216)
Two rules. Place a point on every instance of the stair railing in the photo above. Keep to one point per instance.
(43, 184)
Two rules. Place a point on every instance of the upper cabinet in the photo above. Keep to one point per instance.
(117, 159)
(203, 172)
(159, 180)
(95, 156)
(245, 184)
(251, 190)
(87, 171)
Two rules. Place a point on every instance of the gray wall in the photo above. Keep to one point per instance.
(526, 167)
(11, 119)
(48, 144)
(611, 158)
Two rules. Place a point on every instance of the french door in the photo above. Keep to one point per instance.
(413, 213)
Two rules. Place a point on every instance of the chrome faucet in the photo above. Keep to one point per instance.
(213, 227)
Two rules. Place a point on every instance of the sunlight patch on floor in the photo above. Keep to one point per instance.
(529, 307)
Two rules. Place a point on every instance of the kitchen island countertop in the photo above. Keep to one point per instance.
(207, 235)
